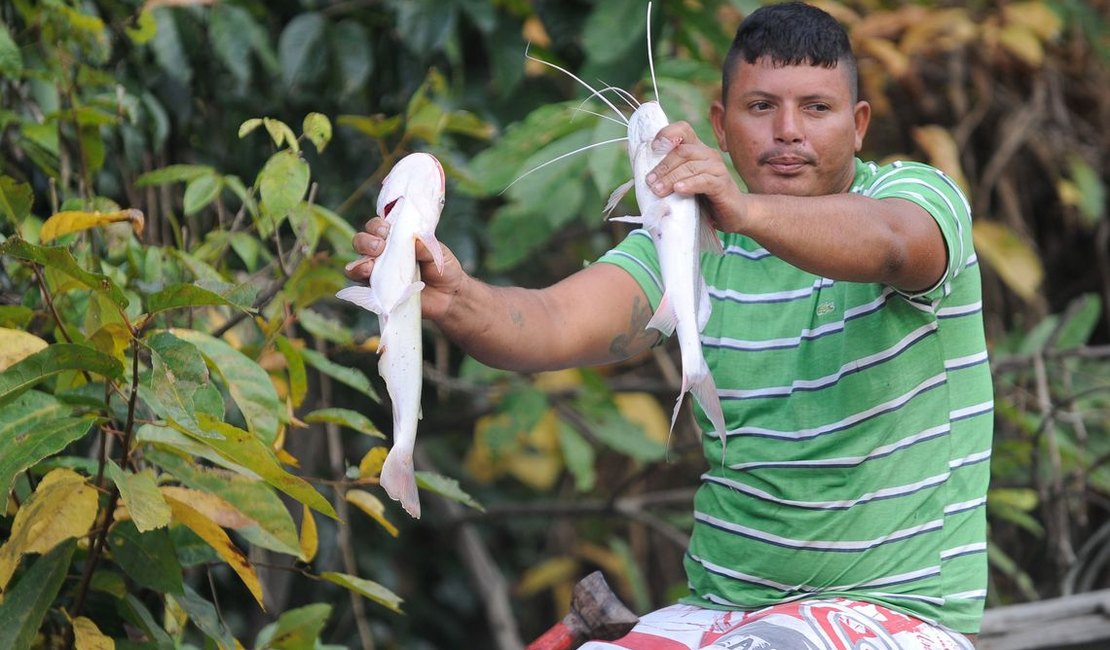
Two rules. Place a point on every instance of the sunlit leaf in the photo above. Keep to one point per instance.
(280, 133)
(299, 628)
(1036, 15)
(367, 588)
(87, 636)
(352, 377)
(1014, 261)
(545, 575)
(248, 126)
(294, 365)
(371, 464)
(59, 258)
(63, 223)
(16, 345)
(942, 152)
(282, 184)
(139, 492)
(317, 128)
(446, 487)
(15, 199)
(1022, 42)
(173, 174)
(63, 506)
(207, 530)
(310, 540)
(248, 383)
(201, 191)
(347, 418)
(35, 426)
(52, 360)
(372, 506)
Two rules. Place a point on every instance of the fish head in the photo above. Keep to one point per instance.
(644, 124)
(417, 177)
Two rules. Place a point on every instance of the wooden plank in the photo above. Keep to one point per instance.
(1082, 620)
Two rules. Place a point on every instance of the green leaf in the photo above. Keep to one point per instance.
(178, 374)
(11, 61)
(322, 327)
(603, 43)
(280, 133)
(579, 457)
(201, 191)
(426, 24)
(34, 426)
(204, 615)
(299, 629)
(367, 588)
(282, 184)
(248, 126)
(228, 25)
(177, 296)
(520, 410)
(139, 491)
(447, 487)
(347, 418)
(299, 46)
(173, 174)
(352, 377)
(271, 526)
(1091, 189)
(145, 29)
(317, 128)
(294, 365)
(374, 126)
(147, 558)
(350, 48)
(167, 47)
(26, 604)
(59, 357)
(59, 257)
(1081, 318)
(249, 385)
(15, 199)
(247, 451)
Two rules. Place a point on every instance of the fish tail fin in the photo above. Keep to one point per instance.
(398, 479)
(364, 297)
(704, 389)
(664, 319)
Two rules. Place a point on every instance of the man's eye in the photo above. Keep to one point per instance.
(820, 108)
(760, 106)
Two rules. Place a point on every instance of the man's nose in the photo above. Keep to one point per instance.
(788, 127)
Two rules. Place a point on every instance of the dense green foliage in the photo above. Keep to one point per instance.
(187, 414)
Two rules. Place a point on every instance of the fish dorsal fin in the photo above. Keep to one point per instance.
(617, 195)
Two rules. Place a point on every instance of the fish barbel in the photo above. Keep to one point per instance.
(411, 200)
(680, 234)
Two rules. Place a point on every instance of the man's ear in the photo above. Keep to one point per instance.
(717, 119)
(862, 115)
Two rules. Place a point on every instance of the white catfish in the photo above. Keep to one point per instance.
(680, 234)
(410, 201)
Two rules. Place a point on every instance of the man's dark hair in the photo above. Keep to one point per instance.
(792, 33)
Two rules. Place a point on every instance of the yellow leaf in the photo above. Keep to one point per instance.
(87, 636)
(534, 32)
(63, 223)
(210, 505)
(1023, 43)
(16, 345)
(215, 537)
(287, 458)
(63, 506)
(537, 458)
(371, 464)
(886, 53)
(611, 563)
(310, 541)
(546, 575)
(643, 409)
(372, 506)
(1014, 260)
(1037, 16)
(941, 30)
(887, 24)
(940, 147)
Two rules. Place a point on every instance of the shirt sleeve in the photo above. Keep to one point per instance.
(939, 195)
(636, 255)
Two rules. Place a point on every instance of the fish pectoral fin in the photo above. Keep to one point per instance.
(428, 238)
(708, 241)
(364, 297)
(616, 197)
(664, 319)
(631, 218)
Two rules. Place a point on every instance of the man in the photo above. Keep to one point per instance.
(847, 345)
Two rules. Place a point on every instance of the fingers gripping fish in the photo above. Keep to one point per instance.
(680, 234)
(410, 201)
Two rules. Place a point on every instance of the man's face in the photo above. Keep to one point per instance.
(791, 130)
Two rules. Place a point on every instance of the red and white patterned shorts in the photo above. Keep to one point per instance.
(832, 624)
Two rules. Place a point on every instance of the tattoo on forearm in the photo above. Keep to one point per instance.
(516, 316)
(637, 336)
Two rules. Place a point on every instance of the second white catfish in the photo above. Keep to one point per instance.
(411, 200)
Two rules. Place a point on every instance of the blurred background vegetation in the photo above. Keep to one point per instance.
(114, 106)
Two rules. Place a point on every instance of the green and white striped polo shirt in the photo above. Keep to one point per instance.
(859, 425)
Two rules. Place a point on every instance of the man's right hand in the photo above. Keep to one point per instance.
(439, 287)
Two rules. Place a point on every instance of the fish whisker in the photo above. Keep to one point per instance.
(651, 57)
(558, 158)
(594, 92)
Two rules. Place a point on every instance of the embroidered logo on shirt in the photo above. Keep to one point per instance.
(825, 308)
